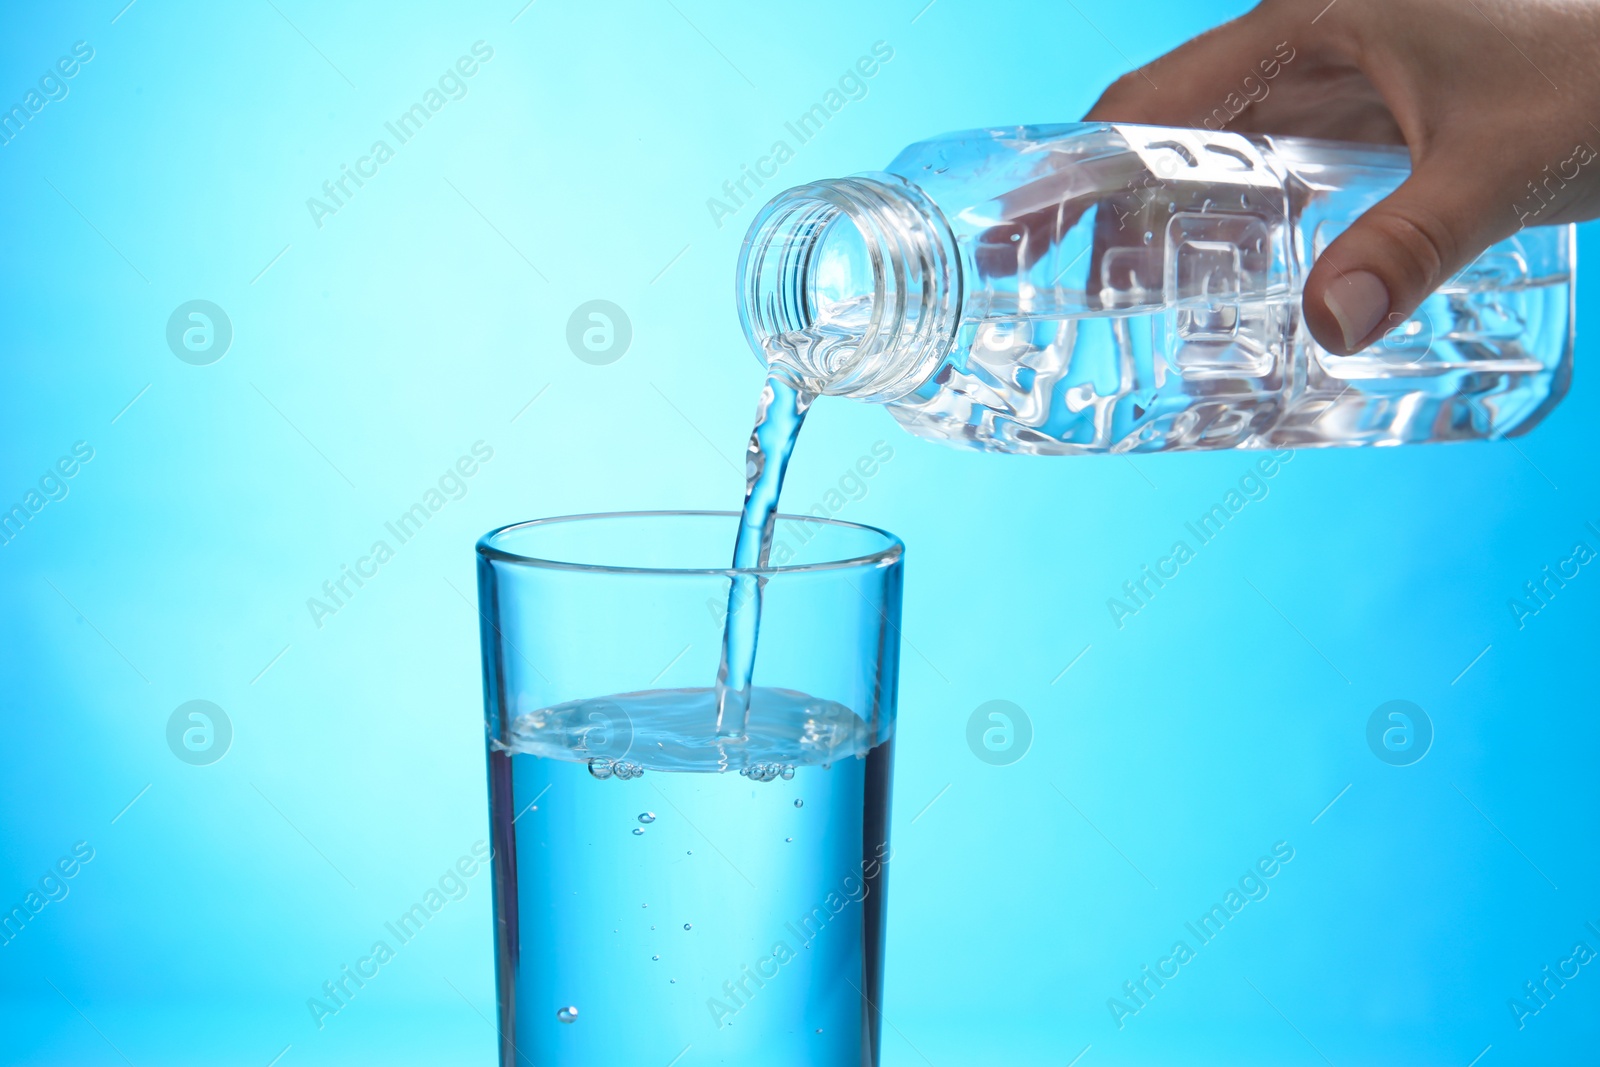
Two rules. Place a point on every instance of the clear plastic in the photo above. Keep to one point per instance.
(1092, 288)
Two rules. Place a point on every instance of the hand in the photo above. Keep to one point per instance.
(1494, 98)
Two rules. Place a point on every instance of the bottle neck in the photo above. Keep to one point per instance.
(852, 286)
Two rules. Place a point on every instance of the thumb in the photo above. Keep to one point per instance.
(1380, 269)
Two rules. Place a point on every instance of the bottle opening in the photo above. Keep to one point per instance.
(844, 288)
(851, 286)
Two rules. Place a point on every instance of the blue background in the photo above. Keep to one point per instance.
(430, 311)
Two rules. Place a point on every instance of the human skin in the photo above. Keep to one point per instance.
(1486, 94)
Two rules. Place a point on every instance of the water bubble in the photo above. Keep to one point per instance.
(647, 817)
(766, 772)
(1148, 237)
(638, 830)
(600, 767)
(674, 981)
(688, 926)
(787, 839)
(691, 852)
(654, 957)
(799, 803)
(644, 905)
(569, 1014)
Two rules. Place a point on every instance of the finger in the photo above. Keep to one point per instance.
(1380, 269)
(1191, 79)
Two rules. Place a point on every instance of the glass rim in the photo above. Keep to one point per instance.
(891, 552)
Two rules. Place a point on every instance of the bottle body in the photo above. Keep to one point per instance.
(1092, 288)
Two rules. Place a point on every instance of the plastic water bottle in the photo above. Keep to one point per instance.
(1090, 288)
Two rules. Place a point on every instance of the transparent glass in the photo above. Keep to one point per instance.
(657, 885)
(1089, 288)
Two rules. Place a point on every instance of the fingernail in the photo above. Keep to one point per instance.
(1358, 302)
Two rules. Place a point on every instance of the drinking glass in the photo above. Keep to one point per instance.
(665, 892)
